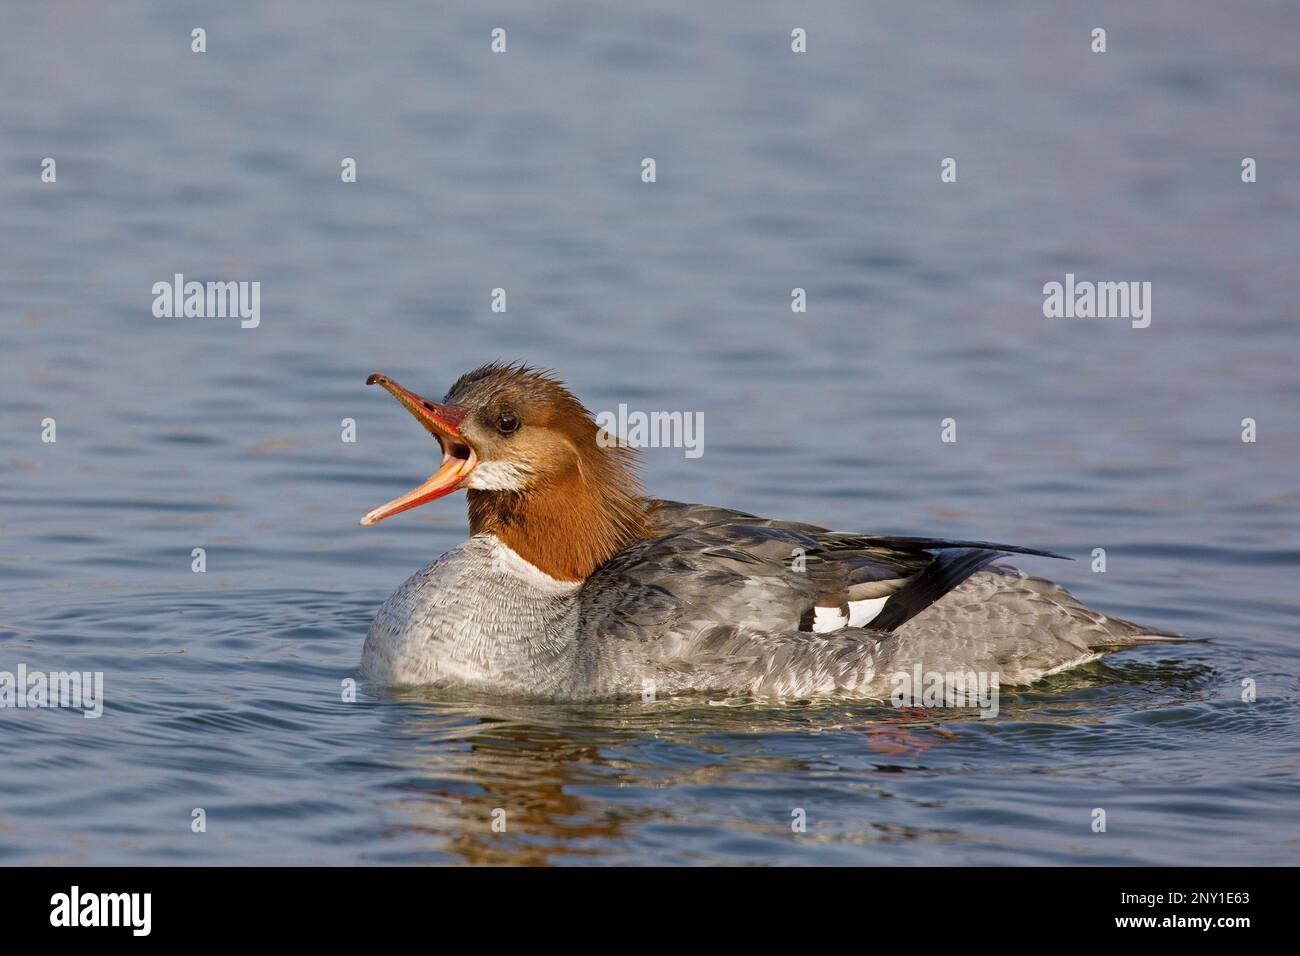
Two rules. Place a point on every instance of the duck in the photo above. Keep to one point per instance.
(576, 585)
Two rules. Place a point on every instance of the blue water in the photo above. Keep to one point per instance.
(522, 171)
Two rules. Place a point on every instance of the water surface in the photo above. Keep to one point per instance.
(522, 171)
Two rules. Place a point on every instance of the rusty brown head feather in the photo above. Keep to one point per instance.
(540, 474)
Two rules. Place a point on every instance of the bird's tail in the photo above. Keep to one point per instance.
(1117, 633)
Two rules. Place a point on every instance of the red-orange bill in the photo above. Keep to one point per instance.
(443, 422)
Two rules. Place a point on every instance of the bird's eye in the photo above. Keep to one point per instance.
(507, 422)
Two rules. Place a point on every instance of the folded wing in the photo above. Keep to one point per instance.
(710, 566)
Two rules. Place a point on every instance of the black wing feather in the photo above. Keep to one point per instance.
(945, 572)
(904, 543)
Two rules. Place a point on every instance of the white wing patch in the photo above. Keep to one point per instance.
(861, 613)
(827, 619)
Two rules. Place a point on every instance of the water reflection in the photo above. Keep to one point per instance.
(569, 783)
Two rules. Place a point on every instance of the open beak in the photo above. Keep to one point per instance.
(458, 458)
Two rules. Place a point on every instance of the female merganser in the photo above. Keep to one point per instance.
(575, 586)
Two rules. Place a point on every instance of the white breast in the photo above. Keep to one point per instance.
(480, 616)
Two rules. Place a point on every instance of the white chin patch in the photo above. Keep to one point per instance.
(496, 476)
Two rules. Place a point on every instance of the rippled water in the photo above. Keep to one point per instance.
(522, 171)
